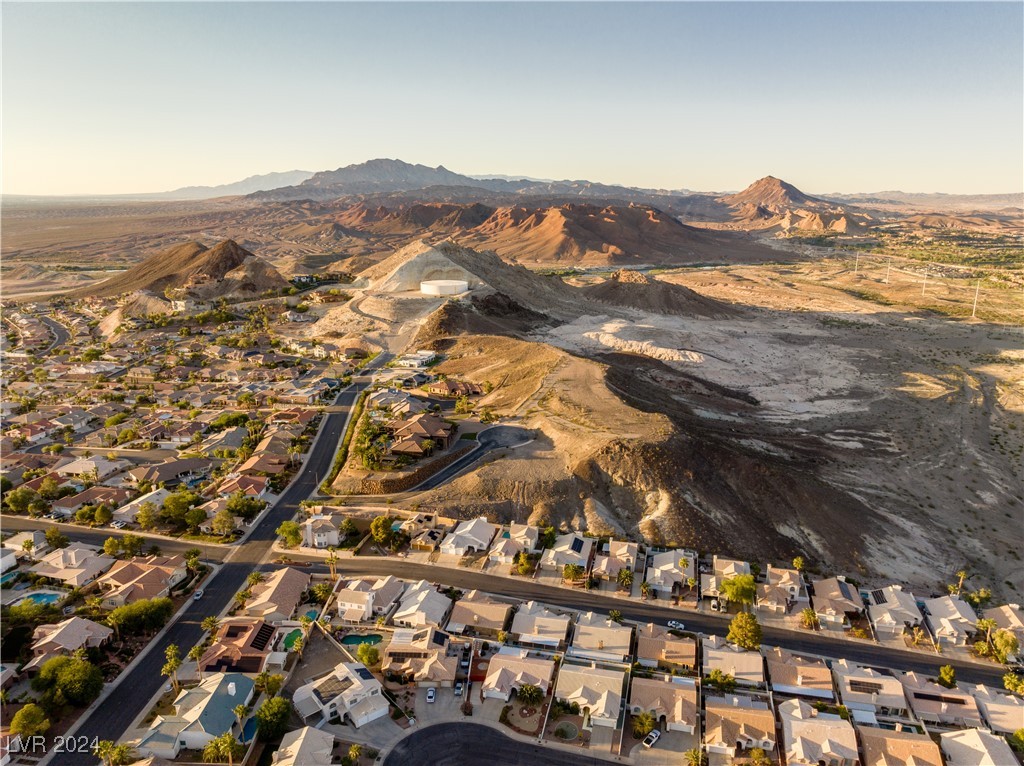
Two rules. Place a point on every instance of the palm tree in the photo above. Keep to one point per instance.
(643, 724)
(195, 654)
(104, 750)
(254, 578)
(625, 578)
(240, 711)
(988, 626)
(645, 589)
(332, 562)
(696, 757)
(298, 646)
(172, 665)
(224, 746)
(210, 624)
(960, 577)
(354, 751)
(122, 755)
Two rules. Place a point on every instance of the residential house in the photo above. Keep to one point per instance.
(349, 693)
(305, 747)
(422, 605)
(722, 569)
(427, 540)
(322, 531)
(278, 596)
(835, 602)
(36, 537)
(97, 495)
(734, 724)
(799, 675)
(783, 591)
(422, 428)
(571, 548)
(1001, 711)
(479, 614)
(247, 484)
(368, 598)
(884, 747)
(938, 706)
(240, 645)
(8, 559)
(470, 537)
(97, 468)
(951, 620)
(452, 388)
(131, 580)
(519, 538)
(424, 656)
(596, 636)
(65, 638)
(672, 703)
(201, 714)
(171, 472)
(511, 669)
(893, 611)
(1008, 617)
(77, 565)
(868, 692)
(811, 737)
(534, 624)
(746, 667)
(657, 648)
(975, 747)
(129, 511)
(621, 555)
(669, 573)
(598, 692)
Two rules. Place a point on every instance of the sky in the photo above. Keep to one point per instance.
(834, 97)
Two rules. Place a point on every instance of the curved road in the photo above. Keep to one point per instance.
(471, 744)
(134, 690)
(491, 439)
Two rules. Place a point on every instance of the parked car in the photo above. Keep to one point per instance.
(431, 694)
(458, 688)
(197, 595)
(651, 738)
(676, 625)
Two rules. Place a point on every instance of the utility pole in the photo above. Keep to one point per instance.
(888, 265)
(977, 289)
(924, 282)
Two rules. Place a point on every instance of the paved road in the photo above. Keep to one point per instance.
(115, 714)
(470, 744)
(491, 439)
(656, 611)
(60, 332)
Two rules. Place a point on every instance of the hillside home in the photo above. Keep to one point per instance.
(1008, 617)
(668, 573)
(350, 693)
(511, 669)
(835, 602)
(620, 555)
(422, 605)
(951, 620)
(368, 598)
(322, 531)
(519, 538)
(722, 569)
(893, 611)
(571, 548)
(783, 592)
(470, 537)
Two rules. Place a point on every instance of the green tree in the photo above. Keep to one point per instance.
(947, 676)
(290, 533)
(643, 724)
(195, 654)
(321, 592)
(68, 680)
(740, 589)
(615, 615)
(798, 564)
(48, 489)
(194, 518)
(240, 504)
(745, 631)
(348, 528)
(808, 618)
(271, 718)
(381, 531)
(572, 572)
(758, 757)
(268, 684)
(103, 515)
(224, 748)
(1004, 645)
(1013, 683)
(721, 680)
(529, 694)
(146, 517)
(112, 546)
(191, 557)
(625, 578)
(354, 752)
(173, 664)
(368, 655)
(19, 499)
(103, 750)
(1017, 740)
(30, 721)
(210, 624)
(696, 757)
(223, 523)
(132, 545)
(254, 578)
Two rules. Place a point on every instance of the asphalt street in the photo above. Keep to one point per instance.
(110, 719)
(470, 744)
(491, 439)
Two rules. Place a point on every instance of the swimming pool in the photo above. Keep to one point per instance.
(249, 731)
(42, 598)
(395, 526)
(291, 638)
(312, 614)
(354, 639)
(8, 577)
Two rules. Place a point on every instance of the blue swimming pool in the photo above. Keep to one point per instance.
(312, 614)
(249, 730)
(395, 526)
(8, 577)
(42, 598)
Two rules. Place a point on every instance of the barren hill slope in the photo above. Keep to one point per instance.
(772, 194)
(633, 289)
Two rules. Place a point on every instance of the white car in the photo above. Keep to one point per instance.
(651, 738)
(676, 625)
(431, 694)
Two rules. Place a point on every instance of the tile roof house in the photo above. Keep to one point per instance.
(65, 638)
(883, 747)
(201, 714)
(130, 580)
(129, 511)
(77, 565)
(470, 537)
(811, 737)
(799, 675)
(598, 692)
(535, 624)
(975, 747)
(322, 531)
(367, 598)
(746, 667)
(421, 605)
(510, 669)
(672, 703)
(736, 722)
(278, 596)
(667, 574)
(951, 620)
(518, 538)
(37, 537)
(305, 747)
(722, 569)
(893, 611)
(868, 692)
(783, 592)
(656, 647)
(1008, 617)
(241, 645)
(1002, 712)
(478, 613)
(621, 555)
(421, 655)
(350, 692)
(571, 548)
(937, 705)
(833, 600)
(97, 495)
(596, 636)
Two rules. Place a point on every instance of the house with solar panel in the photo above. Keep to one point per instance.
(835, 601)
(893, 611)
(350, 693)
(241, 645)
(201, 714)
(572, 548)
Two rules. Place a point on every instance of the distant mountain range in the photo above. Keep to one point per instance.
(245, 186)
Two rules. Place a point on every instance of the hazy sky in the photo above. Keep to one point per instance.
(125, 97)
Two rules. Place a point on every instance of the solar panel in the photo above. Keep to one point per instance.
(364, 674)
(878, 596)
(577, 545)
(263, 636)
